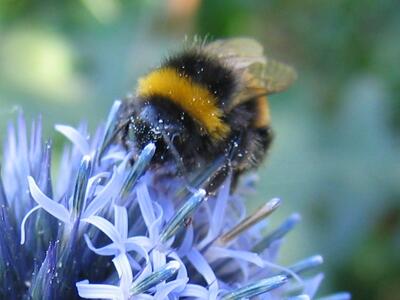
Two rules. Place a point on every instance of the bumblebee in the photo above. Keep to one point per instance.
(207, 102)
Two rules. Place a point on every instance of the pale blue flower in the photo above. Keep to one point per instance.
(69, 215)
(112, 227)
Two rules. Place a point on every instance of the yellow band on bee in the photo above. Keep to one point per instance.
(194, 99)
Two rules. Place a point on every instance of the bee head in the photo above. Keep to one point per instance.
(161, 126)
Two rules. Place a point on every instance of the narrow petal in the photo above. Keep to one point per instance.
(108, 250)
(182, 273)
(98, 291)
(121, 221)
(311, 285)
(103, 197)
(159, 259)
(55, 209)
(202, 266)
(288, 272)
(138, 245)
(143, 241)
(145, 204)
(115, 156)
(271, 253)
(187, 242)
(75, 137)
(168, 288)
(216, 221)
(195, 291)
(123, 268)
(155, 227)
(121, 263)
(218, 252)
(93, 182)
(106, 227)
(219, 209)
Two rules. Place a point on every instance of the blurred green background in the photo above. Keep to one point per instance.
(336, 154)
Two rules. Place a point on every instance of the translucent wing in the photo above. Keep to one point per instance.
(260, 75)
(238, 51)
(273, 76)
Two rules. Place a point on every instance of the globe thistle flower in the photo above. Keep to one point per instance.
(110, 227)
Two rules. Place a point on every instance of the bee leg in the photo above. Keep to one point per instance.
(235, 179)
(182, 171)
(217, 179)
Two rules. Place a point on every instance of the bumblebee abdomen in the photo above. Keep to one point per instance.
(250, 122)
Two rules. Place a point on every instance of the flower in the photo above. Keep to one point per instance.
(112, 227)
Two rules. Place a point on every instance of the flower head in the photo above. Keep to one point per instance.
(113, 227)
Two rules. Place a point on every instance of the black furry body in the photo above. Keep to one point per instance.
(243, 149)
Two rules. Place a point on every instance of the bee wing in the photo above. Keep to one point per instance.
(271, 76)
(260, 75)
(241, 52)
